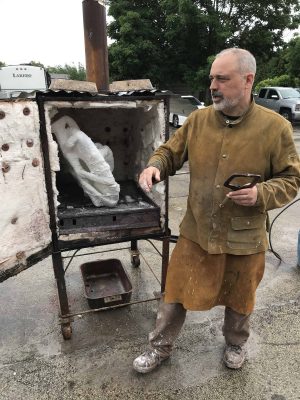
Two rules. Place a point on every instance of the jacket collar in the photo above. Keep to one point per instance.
(225, 121)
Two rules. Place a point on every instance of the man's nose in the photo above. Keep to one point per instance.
(213, 84)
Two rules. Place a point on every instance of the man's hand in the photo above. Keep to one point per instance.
(147, 177)
(244, 197)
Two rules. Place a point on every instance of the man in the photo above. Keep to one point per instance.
(219, 258)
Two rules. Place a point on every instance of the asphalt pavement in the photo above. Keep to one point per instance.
(36, 363)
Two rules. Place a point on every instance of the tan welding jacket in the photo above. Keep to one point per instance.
(260, 142)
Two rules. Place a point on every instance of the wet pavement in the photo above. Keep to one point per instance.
(36, 363)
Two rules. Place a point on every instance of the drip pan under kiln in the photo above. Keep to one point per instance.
(106, 283)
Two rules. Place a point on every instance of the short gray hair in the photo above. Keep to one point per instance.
(246, 60)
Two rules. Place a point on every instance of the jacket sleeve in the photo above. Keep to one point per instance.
(170, 156)
(284, 182)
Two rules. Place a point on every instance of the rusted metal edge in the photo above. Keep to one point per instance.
(69, 317)
(30, 261)
(102, 94)
(84, 242)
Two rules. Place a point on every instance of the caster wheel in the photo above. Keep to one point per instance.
(66, 331)
(135, 261)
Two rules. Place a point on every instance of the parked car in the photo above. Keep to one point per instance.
(284, 100)
(181, 107)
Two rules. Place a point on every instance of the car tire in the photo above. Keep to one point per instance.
(175, 121)
(286, 113)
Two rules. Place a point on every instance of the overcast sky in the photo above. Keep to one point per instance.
(50, 32)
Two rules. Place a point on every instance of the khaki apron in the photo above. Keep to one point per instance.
(200, 281)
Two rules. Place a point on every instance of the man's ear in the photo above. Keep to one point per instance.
(250, 79)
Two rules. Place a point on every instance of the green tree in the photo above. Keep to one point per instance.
(283, 68)
(167, 40)
(36, 64)
(74, 72)
(293, 58)
(151, 39)
(138, 47)
(282, 80)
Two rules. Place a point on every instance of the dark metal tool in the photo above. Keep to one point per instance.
(240, 181)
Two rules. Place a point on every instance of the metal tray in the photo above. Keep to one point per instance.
(135, 210)
(106, 283)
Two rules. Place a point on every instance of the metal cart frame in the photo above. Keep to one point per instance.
(58, 247)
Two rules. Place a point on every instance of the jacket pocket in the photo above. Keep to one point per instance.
(246, 232)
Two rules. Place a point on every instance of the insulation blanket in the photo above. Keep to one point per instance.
(90, 164)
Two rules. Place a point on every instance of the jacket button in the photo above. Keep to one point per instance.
(248, 223)
(224, 155)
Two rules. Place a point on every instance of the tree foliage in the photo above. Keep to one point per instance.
(282, 80)
(293, 58)
(35, 64)
(283, 69)
(74, 72)
(174, 40)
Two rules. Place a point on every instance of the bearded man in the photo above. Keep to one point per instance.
(219, 258)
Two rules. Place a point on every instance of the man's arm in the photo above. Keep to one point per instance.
(166, 160)
(284, 183)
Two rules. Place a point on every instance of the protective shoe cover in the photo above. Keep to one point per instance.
(148, 361)
(234, 356)
(87, 162)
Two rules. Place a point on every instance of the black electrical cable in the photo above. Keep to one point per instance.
(270, 230)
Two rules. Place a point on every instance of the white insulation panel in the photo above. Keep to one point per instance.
(24, 215)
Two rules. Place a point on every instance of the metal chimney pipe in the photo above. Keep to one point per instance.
(95, 39)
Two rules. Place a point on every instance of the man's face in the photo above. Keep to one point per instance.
(229, 88)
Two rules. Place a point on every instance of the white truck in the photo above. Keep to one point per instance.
(15, 79)
(284, 100)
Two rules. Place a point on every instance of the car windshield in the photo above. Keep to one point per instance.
(290, 93)
(193, 101)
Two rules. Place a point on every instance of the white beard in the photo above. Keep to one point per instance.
(226, 104)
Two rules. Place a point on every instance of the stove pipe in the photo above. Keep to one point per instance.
(95, 38)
